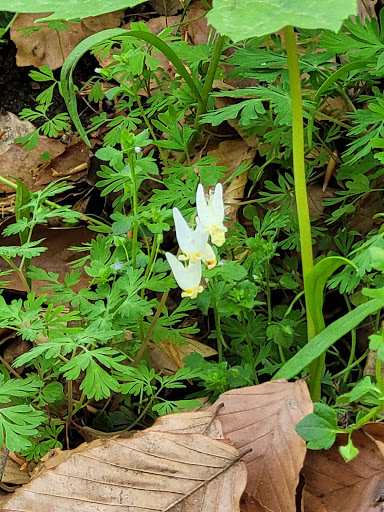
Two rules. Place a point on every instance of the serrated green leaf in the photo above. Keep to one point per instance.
(241, 19)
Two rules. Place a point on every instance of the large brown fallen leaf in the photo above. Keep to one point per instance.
(23, 164)
(263, 418)
(356, 486)
(49, 47)
(152, 471)
(57, 256)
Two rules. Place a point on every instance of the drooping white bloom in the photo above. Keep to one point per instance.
(209, 257)
(192, 242)
(211, 213)
(188, 278)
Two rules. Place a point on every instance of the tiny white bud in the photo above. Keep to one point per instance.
(137, 149)
(97, 70)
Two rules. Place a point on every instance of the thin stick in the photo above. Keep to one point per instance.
(215, 475)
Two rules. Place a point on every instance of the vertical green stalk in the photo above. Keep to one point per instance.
(251, 359)
(134, 209)
(219, 334)
(301, 190)
(211, 73)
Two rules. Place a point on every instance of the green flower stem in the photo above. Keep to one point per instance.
(134, 209)
(349, 367)
(353, 342)
(219, 334)
(316, 367)
(203, 100)
(146, 121)
(251, 359)
(211, 73)
(148, 336)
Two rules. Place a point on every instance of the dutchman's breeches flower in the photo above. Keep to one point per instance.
(188, 278)
(193, 243)
(211, 213)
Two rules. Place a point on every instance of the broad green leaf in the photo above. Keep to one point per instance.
(241, 19)
(326, 338)
(319, 428)
(348, 451)
(69, 10)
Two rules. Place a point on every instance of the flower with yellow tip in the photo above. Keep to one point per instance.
(193, 243)
(210, 213)
(188, 278)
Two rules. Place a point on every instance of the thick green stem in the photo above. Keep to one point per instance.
(301, 190)
(211, 73)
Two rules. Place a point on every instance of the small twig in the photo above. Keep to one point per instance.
(214, 416)
(3, 462)
(215, 475)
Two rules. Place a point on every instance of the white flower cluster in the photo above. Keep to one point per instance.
(194, 243)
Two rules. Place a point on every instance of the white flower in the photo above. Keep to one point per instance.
(97, 70)
(137, 149)
(188, 278)
(211, 213)
(209, 257)
(192, 242)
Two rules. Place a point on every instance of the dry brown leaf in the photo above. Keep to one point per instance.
(22, 164)
(198, 30)
(366, 9)
(316, 196)
(376, 431)
(12, 127)
(232, 153)
(152, 471)
(12, 473)
(249, 504)
(73, 163)
(168, 357)
(48, 47)
(263, 418)
(311, 503)
(354, 486)
(57, 256)
(167, 7)
(197, 422)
